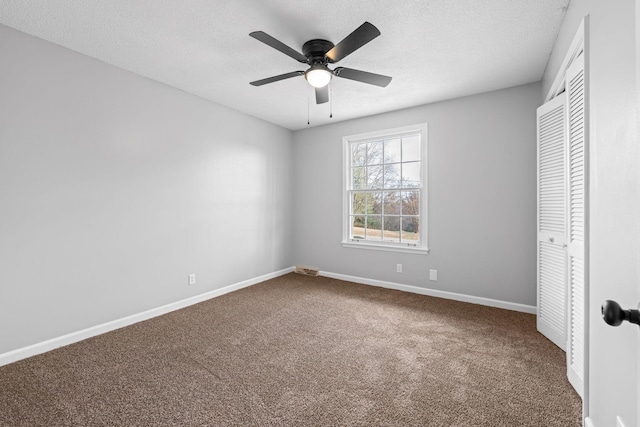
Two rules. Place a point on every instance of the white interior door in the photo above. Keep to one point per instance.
(576, 162)
(614, 211)
(552, 277)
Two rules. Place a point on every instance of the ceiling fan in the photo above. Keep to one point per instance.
(318, 53)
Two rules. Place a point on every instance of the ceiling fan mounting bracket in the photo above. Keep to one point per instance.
(316, 49)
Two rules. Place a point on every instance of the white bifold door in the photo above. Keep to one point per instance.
(576, 222)
(552, 254)
(561, 125)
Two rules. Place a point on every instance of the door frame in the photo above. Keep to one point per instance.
(637, 70)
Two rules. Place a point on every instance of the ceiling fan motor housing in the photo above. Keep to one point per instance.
(315, 51)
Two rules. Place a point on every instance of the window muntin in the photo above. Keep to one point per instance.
(385, 188)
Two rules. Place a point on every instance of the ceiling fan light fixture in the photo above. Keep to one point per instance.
(318, 76)
(318, 53)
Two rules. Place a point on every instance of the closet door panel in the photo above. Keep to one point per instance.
(552, 260)
(576, 215)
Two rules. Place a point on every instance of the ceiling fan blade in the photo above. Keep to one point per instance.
(322, 94)
(277, 78)
(362, 76)
(278, 45)
(361, 36)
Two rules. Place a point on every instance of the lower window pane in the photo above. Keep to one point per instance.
(374, 202)
(359, 203)
(357, 227)
(374, 227)
(410, 229)
(411, 202)
(391, 203)
(391, 228)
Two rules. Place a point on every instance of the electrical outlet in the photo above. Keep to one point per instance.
(433, 275)
(398, 268)
(192, 279)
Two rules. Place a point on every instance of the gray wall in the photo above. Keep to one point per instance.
(482, 197)
(113, 188)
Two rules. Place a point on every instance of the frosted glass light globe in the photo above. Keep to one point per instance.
(318, 76)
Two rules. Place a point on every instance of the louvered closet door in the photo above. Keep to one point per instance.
(576, 209)
(552, 276)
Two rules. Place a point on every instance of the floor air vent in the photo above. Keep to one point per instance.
(307, 271)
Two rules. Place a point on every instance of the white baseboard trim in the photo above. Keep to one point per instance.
(51, 344)
(588, 423)
(435, 293)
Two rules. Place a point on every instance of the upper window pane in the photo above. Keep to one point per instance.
(359, 154)
(375, 153)
(392, 176)
(359, 178)
(411, 174)
(392, 151)
(411, 148)
(375, 176)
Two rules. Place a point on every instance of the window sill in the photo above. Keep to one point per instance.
(388, 248)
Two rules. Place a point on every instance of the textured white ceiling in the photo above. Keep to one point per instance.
(433, 49)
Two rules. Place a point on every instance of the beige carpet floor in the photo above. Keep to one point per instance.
(298, 351)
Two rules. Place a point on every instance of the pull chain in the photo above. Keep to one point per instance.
(330, 102)
(308, 108)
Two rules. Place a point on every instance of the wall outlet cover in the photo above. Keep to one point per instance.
(433, 275)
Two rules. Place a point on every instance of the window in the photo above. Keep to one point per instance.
(385, 196)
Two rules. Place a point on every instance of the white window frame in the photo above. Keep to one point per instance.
(347, 242)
